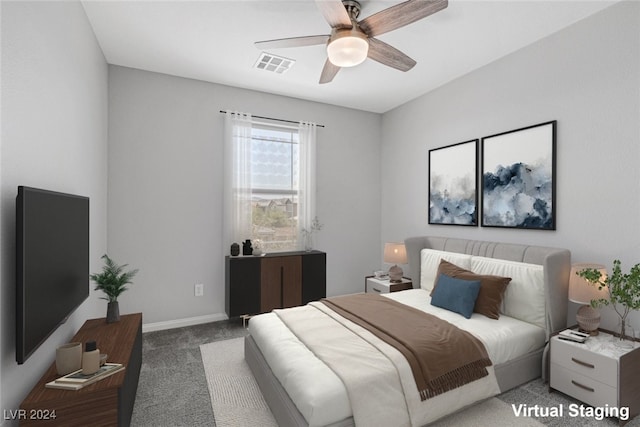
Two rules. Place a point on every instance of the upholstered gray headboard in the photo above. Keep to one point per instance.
(556, 263)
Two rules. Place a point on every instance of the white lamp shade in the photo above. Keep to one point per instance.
(395, 253)
(347, 48)
(581, 291)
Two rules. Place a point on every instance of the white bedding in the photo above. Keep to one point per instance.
(319, 393)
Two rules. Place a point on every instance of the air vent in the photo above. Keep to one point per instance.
(273, 63)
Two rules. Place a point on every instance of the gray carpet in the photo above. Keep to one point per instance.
(173, 388)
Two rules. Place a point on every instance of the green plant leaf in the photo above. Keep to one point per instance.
(112, 280)
(623, 288)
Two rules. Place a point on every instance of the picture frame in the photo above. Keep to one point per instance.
(453, 184)
(518, 178)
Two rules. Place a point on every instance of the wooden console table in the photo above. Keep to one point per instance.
(108, 402)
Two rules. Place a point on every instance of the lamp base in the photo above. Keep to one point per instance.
(588, 319)
(395, 274)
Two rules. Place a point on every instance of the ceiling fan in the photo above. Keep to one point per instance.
(352, 41)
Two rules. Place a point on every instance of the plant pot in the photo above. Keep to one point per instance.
(625, 335)
(113, 312)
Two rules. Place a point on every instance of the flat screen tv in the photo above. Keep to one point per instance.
(52, 263)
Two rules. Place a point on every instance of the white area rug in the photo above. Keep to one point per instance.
(235, 396)
(237, 401)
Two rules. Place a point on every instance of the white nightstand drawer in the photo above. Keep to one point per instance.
(378, 289)
(582, 387)
(593, 365)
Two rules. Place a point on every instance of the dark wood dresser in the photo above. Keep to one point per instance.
(258, 284)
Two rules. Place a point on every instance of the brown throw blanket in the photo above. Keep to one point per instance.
(442, 356)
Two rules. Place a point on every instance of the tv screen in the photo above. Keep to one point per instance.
(52, 263)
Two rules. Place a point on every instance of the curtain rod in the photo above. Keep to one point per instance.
(271, 118)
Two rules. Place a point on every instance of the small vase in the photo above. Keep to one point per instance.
(625, 335)
(308, 242)
(113, 312)
(235, 249)
(247, 249)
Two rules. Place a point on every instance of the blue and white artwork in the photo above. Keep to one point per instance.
(453, 182)
(518, 188)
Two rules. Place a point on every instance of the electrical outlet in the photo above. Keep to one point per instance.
(198, 290)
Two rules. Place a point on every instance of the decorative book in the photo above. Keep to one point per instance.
(77, 380)
(571, 335)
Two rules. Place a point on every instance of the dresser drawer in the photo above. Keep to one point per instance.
(584, 362)
(582, 387)
(377, 288)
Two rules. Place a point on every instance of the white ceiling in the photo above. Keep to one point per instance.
(213, 41)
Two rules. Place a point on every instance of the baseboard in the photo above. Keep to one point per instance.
(181, 323)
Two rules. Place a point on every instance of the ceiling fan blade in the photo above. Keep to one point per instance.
(292, 42)
(328, 72)
(334, 13)
(389, 55)
(400, 15)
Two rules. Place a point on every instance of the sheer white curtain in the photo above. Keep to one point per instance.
(237, 188)
(307, 177)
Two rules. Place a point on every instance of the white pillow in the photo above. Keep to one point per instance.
(524, 297)
(430, 261)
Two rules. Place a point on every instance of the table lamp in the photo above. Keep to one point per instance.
(582, 292)
(395, 253)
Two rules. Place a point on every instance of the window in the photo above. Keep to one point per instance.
(269, 182)
(274, 187)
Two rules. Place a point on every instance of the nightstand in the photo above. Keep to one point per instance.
(597, 372)
(384, 286)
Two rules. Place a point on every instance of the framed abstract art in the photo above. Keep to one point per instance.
(518, 178)
(453, 184)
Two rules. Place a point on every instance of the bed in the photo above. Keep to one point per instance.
(291, 351)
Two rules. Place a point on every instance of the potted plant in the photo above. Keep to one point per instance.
(623, 290)
(112, 280)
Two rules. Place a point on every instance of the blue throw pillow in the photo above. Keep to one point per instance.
(456, 295)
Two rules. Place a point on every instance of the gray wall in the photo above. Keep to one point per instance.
(165, 189)
(54, 136)
(587, 78)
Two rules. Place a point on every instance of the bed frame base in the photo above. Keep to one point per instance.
(509, 375)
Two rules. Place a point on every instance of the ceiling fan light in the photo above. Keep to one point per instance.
(348, 49)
